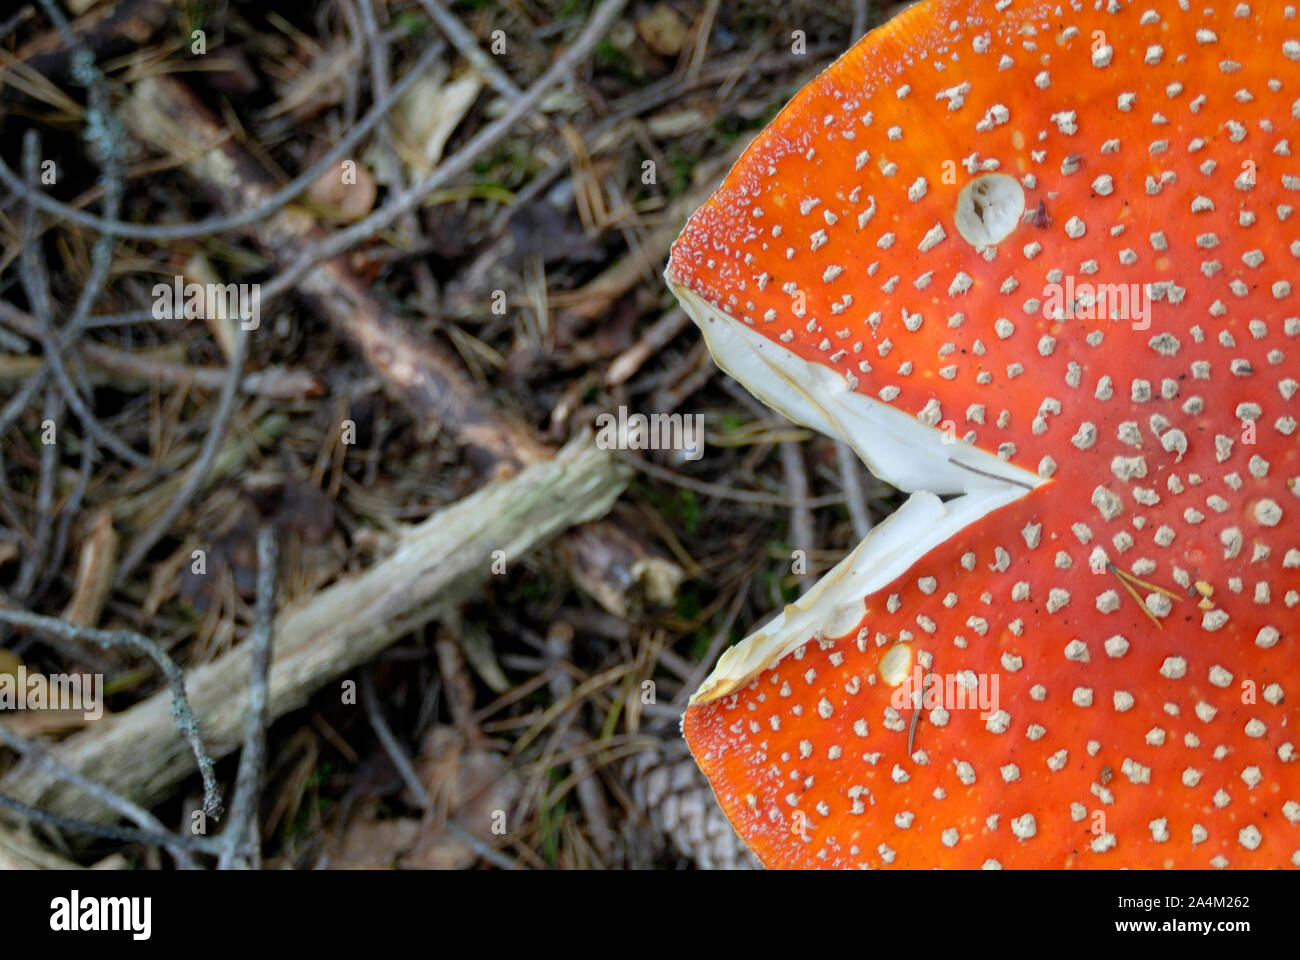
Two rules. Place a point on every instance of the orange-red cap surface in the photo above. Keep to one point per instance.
(1139, 609)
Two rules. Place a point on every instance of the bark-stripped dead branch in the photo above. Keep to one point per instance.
(139, 754)
(141, 817)
(178, 705)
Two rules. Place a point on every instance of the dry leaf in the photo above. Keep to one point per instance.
(663, 30)
(476, 788)
(424, 120)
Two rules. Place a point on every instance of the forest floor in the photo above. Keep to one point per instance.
(470, 278)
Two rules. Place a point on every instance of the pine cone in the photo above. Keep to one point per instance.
(669, 788)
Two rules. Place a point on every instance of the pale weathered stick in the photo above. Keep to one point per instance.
(139, 753)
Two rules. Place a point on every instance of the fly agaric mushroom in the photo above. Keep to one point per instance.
(1037, 260)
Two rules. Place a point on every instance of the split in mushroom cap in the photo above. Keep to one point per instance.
(832, 273)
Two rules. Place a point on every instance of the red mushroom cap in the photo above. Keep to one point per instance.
(1040, 255)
